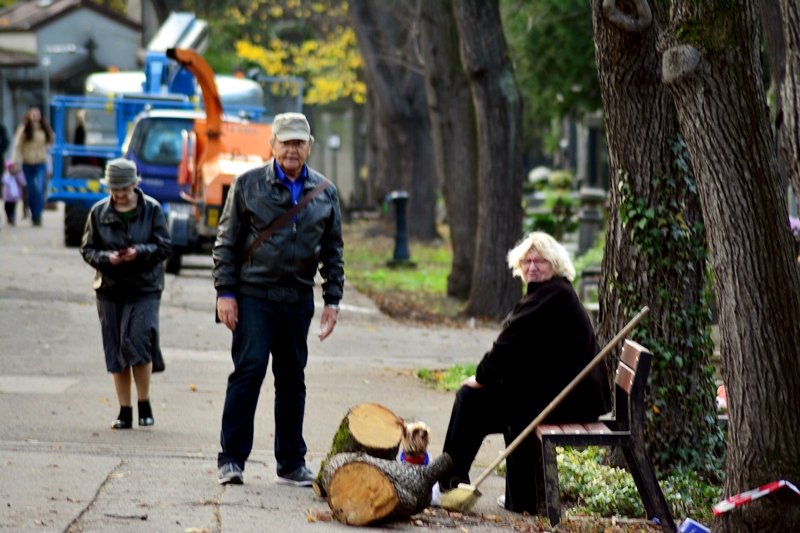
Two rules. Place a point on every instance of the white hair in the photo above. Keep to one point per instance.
(547, 247)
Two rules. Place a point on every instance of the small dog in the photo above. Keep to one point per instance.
(416, 436)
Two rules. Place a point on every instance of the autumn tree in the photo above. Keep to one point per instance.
(655, 252)
(712, 68)
(498, 112)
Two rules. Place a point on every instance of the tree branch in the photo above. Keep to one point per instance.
(633, 22)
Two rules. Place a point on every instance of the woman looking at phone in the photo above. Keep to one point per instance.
(126, 241)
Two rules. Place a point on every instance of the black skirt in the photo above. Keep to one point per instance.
(130, 332)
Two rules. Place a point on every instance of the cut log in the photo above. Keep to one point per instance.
(364, 490)
(367, 428)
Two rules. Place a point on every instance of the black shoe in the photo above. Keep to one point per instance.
(230, 473)
(301, 477)
(145, 414)
(124, 419)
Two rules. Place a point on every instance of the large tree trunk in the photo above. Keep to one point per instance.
(656, 260)
(363, 490)
(498, 110)
(712, 68)
(404, 147)
(454, 138)
(790, 93)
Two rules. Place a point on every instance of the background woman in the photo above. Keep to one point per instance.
(126, 241)
(544, 343)
(32, 141)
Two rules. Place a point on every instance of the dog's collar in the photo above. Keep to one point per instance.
(419, 459)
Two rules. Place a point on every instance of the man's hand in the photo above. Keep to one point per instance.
(228, 311)
(327, 322)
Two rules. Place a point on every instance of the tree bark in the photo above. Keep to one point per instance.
(404, 146)
(790, 93)
(366, 428)
(498, 111)
(365, 490)
(711, 66)
(648, 261)
(452, 119)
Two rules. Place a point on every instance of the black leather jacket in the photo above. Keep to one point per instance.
(283, 267)
(147, 231)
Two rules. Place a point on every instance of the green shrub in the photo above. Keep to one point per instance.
(601, 490)
(560, 179)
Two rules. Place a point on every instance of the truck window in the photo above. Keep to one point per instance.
(160, 141)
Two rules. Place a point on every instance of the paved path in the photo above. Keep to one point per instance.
(63, 469)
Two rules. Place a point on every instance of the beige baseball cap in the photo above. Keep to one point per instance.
(291, 127)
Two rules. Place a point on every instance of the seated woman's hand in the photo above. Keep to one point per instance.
(472, 383)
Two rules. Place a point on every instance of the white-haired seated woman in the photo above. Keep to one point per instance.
(545, 341)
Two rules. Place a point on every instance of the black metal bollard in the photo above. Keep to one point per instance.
(401, 257)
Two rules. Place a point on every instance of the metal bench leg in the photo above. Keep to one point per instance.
(645, 478)
(551, 482)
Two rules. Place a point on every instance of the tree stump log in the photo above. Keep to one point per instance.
(367, 428)
(363, 490)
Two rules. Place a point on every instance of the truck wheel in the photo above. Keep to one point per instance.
(173, 263)
(74, 223)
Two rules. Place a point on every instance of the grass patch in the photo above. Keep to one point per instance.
(449, 379)
(416, 294)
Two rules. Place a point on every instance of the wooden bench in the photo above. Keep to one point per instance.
(626, 430)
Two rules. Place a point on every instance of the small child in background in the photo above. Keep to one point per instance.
(13, 189)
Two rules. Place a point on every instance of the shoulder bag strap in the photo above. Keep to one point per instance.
(285, 218)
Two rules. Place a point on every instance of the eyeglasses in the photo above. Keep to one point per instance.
(537, 261)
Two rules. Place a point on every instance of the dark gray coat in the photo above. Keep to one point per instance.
(286, 263)
(146, 231)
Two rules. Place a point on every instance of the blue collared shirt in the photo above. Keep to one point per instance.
(296, 186)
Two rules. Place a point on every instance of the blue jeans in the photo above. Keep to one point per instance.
(280, 328)
(34, 181)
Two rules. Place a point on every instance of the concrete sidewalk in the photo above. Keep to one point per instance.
(63, 469)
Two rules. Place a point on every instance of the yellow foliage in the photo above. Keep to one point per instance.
(330, 67)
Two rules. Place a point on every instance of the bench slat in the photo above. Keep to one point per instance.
(592, 428)
(625, 377)
(630, 354)
(598, 428)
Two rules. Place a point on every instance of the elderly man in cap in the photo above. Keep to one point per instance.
(280, 224)
(126, 241)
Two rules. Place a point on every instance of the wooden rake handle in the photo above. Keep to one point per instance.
(563, 394)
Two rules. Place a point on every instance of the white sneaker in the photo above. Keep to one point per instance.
(436, 494)
(501, 501)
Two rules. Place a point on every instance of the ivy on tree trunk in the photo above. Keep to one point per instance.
(655, 250)
(712, 67)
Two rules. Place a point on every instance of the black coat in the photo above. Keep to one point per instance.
(147, 231)
(545, 342)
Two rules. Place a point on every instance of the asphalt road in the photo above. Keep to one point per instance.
(63, 469)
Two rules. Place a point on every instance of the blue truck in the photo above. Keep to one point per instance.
(141, 123)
